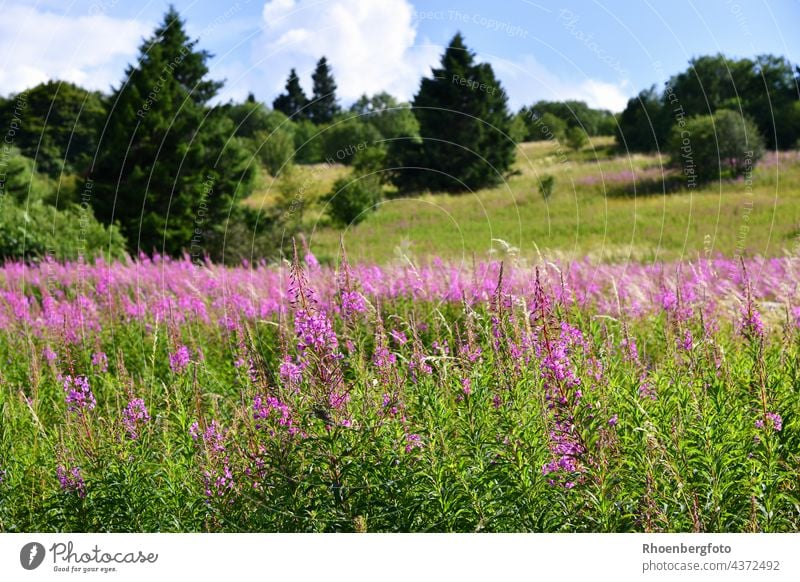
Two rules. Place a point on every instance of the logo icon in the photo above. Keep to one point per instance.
(31, 555)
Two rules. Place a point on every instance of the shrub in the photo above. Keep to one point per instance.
(546, 185)
(352, 198)
(711, 147)
(576, 138)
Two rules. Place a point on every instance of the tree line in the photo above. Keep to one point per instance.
(158, 166)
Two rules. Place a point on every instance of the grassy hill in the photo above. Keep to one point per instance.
(606, 206)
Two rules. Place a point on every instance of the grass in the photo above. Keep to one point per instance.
(604, 220)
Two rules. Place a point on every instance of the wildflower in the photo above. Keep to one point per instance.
(466, 386)
(100, 360)
(2, 475)
(71, 480)
(314, 331)
(413, 441)
(179, 360)
(612, 421)
(399, 337)
(290, 372)
(773, 419)
(78, 394)
(49, 354)
(134, 415)
(263, 408)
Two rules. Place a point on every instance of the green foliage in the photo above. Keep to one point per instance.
(383, 112)
(576, 138)
(594, 122)
(294, 100)
(353, 198)
(644, 123)
(764, 89)
(343, 140)
(464, 122)
(323, 106)
(35, 230)
(168, 169)
(275, 149)
(308, 142)
(57, 124)
(711, 147)
(546, 186)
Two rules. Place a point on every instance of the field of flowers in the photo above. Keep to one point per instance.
(161, 395)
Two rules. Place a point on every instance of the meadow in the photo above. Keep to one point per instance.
(606, 205)
(164, 395)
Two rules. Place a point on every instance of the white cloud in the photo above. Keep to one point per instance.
(371, 46)
(90, 49)
(527, 81)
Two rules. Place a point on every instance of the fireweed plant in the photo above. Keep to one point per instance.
(156, 395)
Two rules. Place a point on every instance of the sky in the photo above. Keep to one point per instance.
(601, 52)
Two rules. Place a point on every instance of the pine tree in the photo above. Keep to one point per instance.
(292, 102)
(464, 123)
(167, 169)
(323, 107)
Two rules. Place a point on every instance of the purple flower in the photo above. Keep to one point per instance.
(2, 475)
(413, 441)
(612, 421)
(179, 360)
(49, 354)
(352, 303)
(466, 386)
(773, 419)
(399, 337)
(71, 480)
(78, 394)
(314, 331)
(290, 372)
(134, 415)
(100, 360)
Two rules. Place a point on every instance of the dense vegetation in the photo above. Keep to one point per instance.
(163, 396)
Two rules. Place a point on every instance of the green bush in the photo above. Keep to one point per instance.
(353, 198)
(546, 185)
(711, 147)
(36, 230)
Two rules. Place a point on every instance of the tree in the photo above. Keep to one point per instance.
(352, 198)
(391, 118)
(576, 138)
(58, 123)
(168, 168)
(294, 100)
(644, 125)
(464, 123)
(711, 147)
(323, 107)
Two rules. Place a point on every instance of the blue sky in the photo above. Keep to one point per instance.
(601, 52)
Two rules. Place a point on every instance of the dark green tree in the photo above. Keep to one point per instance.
(644, 125)
(294, 100)
(464, 123)
(169, 169)
(56, 124)
(323, 107)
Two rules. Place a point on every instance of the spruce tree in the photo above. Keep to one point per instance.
(167, 169)
(323, 107)
(464, 123)
(292, 102)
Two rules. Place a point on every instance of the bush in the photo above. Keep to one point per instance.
(711, 147)
(275, 150)
(352, 198)
(36, 230)
(546, 185)
(576, 138)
